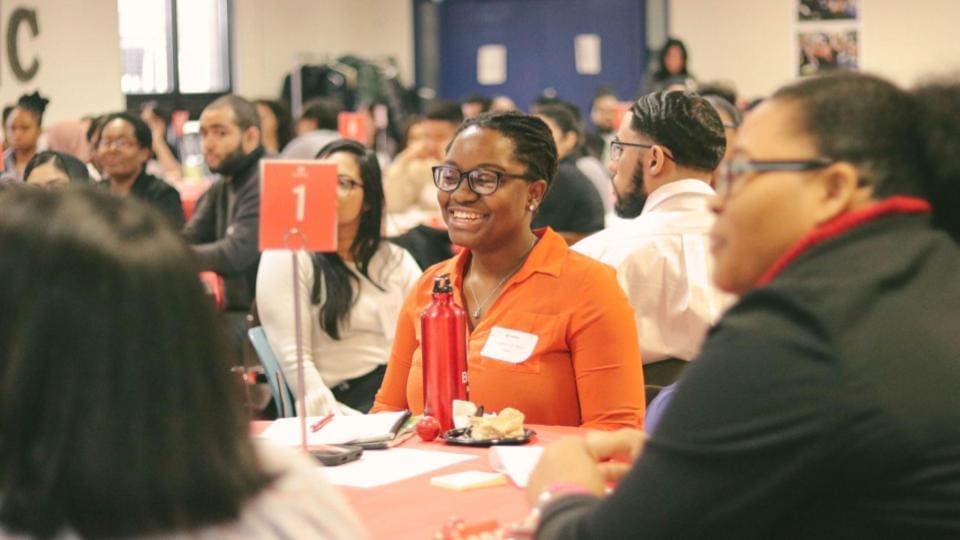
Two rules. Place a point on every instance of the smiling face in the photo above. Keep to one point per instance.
(767, 212)
(490, 222)
(119, 153)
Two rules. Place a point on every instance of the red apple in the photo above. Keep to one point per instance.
(428, 428)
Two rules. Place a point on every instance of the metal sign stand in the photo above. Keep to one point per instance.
(301, 378)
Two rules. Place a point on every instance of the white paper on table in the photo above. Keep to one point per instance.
(340, 429)
(516, 461)
(381, 467)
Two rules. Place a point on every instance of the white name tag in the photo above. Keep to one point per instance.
(508, 345)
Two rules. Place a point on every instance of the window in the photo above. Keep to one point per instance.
(174, 46)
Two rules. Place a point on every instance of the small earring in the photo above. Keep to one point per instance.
(532, 207)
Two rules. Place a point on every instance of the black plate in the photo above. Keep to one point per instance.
(461, 437)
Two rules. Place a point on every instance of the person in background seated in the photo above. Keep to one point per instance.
(671, 71)
(224, 228)
(941, 100)
(164, 160)
(414, 221)
(23, 128)
(49, 169)
(120, 418)
(502, 103)
(93, 137)
(354, 294)
(69, 137)
(276, 124)
(315, 128)
(474, 105)
(731, 118)
(824, 403)
(407, 180)
(603, 114)
(663, 157)
(7, 111)
(578, 363)
(572, 206)
(123, 148)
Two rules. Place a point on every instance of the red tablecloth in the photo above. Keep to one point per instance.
(414, 509)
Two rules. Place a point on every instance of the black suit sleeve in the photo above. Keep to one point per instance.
(743, 443)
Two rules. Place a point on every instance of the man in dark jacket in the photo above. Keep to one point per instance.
(225, 226)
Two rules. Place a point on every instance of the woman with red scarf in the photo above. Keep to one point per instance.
(824, 403)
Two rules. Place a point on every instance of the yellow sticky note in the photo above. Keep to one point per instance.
(465, 480)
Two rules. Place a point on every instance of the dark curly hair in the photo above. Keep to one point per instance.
(34, 103)
(866, 121)
(685, 123)
(532, 140)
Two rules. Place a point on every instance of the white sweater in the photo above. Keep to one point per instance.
(365, 339)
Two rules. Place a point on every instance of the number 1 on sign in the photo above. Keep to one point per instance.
(301, 193)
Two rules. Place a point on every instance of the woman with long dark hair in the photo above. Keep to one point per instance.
(354, 294)
(671, 70)
(118, 414)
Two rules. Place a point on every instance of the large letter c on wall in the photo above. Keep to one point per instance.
(17, 18)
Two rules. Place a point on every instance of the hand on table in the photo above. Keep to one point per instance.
(321, 401)
(584, 461)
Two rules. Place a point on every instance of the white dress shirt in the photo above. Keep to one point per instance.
(365, 338)
(664, 265)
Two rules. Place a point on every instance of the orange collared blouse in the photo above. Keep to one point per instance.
(585, 369)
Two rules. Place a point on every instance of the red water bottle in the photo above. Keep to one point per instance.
(444, 345)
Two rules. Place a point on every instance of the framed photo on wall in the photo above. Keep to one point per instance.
(827, 36)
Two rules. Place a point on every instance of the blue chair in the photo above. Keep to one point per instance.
(282, 395)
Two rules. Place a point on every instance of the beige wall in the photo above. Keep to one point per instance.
(78, 46)
(78, 53)
(270, 35)
(751, 42)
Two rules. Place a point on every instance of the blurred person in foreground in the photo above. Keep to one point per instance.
(824, 401)
(119, 415)
(50, 169)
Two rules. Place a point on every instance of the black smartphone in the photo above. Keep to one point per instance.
(333, 455)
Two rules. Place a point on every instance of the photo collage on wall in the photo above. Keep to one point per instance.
(828, 35)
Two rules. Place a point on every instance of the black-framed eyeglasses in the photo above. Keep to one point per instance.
(616, 149)
(122, 143)
(731, 173)
(481, 181)
(345, 185)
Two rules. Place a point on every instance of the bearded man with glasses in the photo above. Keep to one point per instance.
(661, 162)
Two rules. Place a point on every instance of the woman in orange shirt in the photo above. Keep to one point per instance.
(550, 331)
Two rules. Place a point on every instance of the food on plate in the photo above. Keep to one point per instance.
(506, 425)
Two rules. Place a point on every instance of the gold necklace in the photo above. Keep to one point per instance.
(476, 312)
